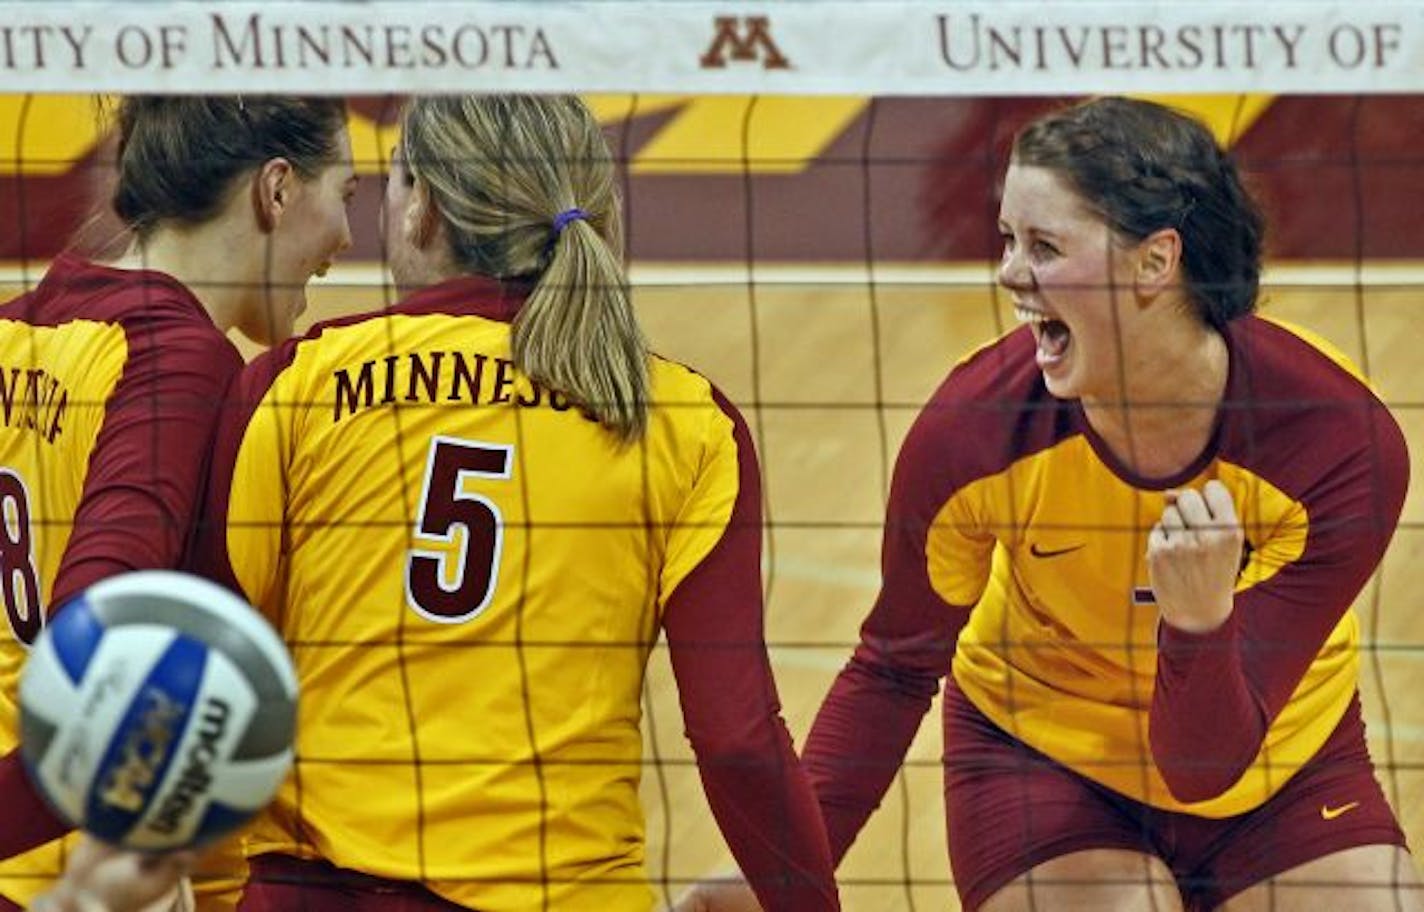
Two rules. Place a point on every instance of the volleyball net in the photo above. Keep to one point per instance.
(811, 196)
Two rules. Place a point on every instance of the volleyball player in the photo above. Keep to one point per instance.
(470, 516)
(111, 374)
(1131, 532)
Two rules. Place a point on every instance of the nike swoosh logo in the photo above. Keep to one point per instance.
(1329, 813)
(1036, 551)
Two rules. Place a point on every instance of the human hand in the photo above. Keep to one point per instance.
(1194, 557)
(718, 896)
(102, 878)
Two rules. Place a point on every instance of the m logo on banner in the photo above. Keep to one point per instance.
(747, 38)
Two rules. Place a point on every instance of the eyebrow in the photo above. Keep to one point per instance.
(1035, 230)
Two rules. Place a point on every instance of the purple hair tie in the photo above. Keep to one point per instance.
(561, 221)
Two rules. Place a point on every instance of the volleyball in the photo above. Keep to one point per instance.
(157, 711)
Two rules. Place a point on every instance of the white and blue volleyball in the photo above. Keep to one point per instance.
(157, 711)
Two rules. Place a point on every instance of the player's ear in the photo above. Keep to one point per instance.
(1158, 258)
(422, 220)
(272, 190)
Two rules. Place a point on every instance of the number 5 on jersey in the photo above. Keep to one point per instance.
(444, 505)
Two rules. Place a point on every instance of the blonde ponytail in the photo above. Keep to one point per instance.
(505, 172)
(578, 332)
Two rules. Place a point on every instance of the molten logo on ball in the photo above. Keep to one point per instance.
(196, 778)
(145, 750)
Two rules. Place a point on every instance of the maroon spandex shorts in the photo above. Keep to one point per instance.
(1010, 808)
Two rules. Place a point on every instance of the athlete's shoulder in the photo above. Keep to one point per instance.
(1291, 372)
(74, 288)
(454, 313)
(679, 382)
(156, 321)
(1278, 356)
(1003, 366)
(1298, 407)
(990, 411)
(685, 402)
(328, 341)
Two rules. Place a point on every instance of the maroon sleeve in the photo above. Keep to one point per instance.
(207, 554)
(148, 462)
(1206, 725)
(29, 822)
(755, 786)
(137, 506)
(1218, 693)
(875, 706)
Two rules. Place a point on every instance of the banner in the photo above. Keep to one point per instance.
(996, 47)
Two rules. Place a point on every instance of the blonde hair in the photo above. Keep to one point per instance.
(500, 169)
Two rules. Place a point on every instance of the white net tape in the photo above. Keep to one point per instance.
(880, 48)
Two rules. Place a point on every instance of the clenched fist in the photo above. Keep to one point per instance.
(1194, 556)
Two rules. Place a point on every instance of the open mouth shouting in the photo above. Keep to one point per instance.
(1052, 334)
